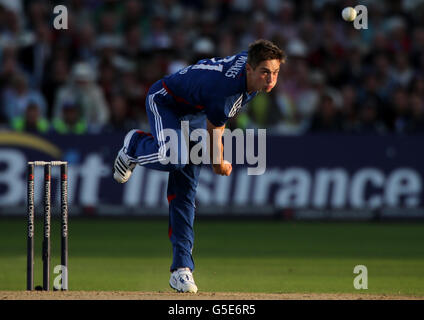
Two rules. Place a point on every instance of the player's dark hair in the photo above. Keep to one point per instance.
(262, 50)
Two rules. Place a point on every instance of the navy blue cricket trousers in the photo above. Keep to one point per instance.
(147, 149)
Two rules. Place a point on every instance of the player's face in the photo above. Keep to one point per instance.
(264, 76)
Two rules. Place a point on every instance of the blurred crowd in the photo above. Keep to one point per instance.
(94, 76)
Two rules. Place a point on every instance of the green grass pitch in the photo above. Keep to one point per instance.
(230, 256)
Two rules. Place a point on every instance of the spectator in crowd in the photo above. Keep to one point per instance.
(327, 118)
(370, 92)
(369, 121)
(134, 93)
(134, 14)
(107, 77)
(37, 13)
(35, 57)
(131, 49)
(85, 48)
(71, 120)
(385, 76)
(54, 79)
(158, 37)
(402, 72)
(17, 97)
(11, 19)
(349, 109)
(31, 120)
(83, 89)
(9, 66)
(119, 119)
(291, 90)
(402, 111)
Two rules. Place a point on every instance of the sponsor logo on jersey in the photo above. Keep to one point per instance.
(236, 107)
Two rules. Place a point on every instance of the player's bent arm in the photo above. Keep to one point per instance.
(216, 150)
(215, 143)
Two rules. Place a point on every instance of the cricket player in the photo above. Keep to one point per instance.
(205, 94)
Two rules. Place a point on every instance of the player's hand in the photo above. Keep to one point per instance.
(224, 168)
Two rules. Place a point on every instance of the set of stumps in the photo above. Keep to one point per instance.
(47, 224)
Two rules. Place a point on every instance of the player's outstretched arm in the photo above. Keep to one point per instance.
(216, 149)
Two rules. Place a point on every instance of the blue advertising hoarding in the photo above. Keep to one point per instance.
(306, 177)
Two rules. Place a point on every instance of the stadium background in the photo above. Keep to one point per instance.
(344, 125)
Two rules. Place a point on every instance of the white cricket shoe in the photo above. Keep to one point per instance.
(182, 281)
(123, 167)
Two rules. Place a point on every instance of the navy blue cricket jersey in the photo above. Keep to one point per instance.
(216, 86)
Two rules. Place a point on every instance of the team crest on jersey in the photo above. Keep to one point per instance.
(236, 107)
